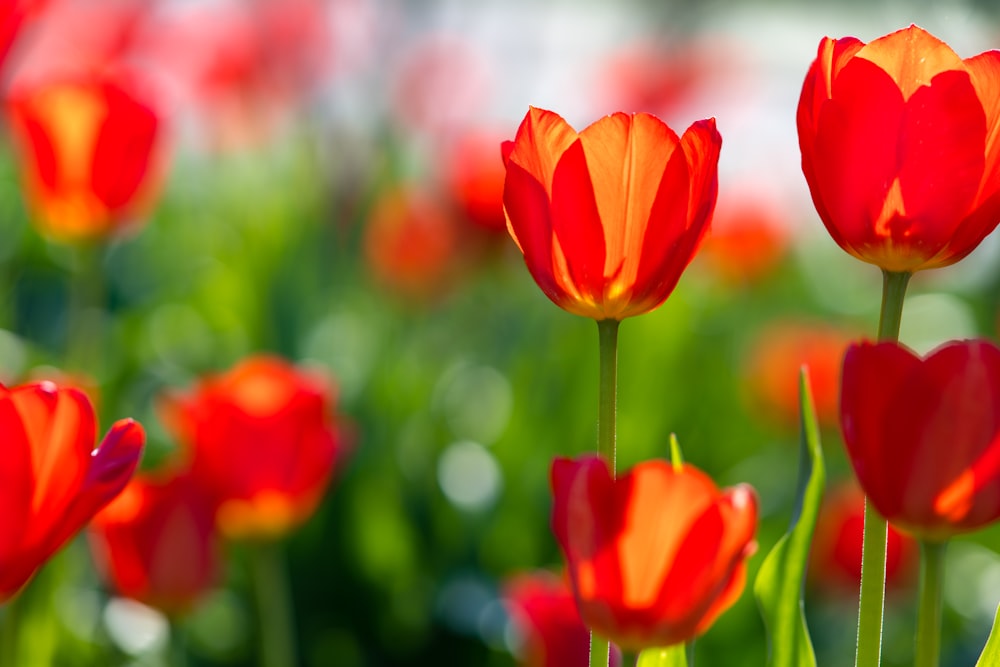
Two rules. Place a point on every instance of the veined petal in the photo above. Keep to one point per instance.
(984, 72)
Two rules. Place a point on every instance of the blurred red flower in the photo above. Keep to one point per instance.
(655, 555)
(261, 441)
(549, 626)
(90, 154)
(156, 542)
(923, 434)
(475, 175)
(898, 141)
(52, 480)
(775, 358)
(835, 558)
(411, 242)
(749, 237)
(608, 218)
(13, 15)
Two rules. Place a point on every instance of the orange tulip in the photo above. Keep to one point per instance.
(261, 442)
(655, 555)
(52, 480)
(608, 218)
(156, 542)
(89, 154)
(899, 147)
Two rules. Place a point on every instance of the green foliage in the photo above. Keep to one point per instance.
(780, 580)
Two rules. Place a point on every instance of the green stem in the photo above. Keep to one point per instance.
(893, 291)
(87, 306)
(9, 633)
(274, 605)
(689, 650)
(600, 655)
(928, 649)
(600, 651)
(608, 391)
(872, 600)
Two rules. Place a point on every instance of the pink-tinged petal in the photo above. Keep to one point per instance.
(912, 57)
(578, 229)
(111, 467)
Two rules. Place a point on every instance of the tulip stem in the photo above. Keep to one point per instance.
(928, 649)
(9, 633)
(608, 391)
(872, 598)
(274, 605)
(87, 303)
(600, 651)
(893, 290)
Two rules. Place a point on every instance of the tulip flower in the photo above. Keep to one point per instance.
(549, 627)
(608, 218)
(655, 555)
(835, 557)
(923, 434)
(52, 479)
(261, 443)
(89, 154)
(156, 542)
(898, 141)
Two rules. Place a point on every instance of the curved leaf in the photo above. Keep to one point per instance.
(671, 656)
(991, 652)
(779, 583)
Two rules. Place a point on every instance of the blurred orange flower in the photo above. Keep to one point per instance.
(90, 154)
(475, 175)
(411, 242)
(898, 141)
(550, 629)
(53, 480)
(835, 558)
(156, 542)
(261, 442)
(654, 555)
(608, 218)
(774, 359)
(748, 238)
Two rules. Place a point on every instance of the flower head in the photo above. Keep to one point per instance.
(156, 542)
(654, 556)
(89, 148)
(899, 147)
(608, 218)
(261, 441)
(923, 434)
(53, 480)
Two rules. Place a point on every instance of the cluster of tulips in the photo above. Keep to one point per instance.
(900, 149)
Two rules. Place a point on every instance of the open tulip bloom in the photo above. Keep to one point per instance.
(608, 218)
(654, 556)
(899, 148)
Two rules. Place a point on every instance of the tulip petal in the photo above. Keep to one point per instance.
(16, 480)
(984, 71)
(912, 57)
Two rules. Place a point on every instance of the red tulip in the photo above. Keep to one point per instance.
(923, 434)
(899, 147)
(156, 542)
(475, 180)
(89, 154)
(550, 628)
(52, 480)
(654, 556)
(608, 218)
(261, 442)
(835, 558)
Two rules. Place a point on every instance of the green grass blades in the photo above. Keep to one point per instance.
(779, 584)
(991, 652)
(672, 656)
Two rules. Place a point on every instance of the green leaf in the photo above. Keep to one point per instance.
(672, 656)
(991, 652)
(779, 584)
